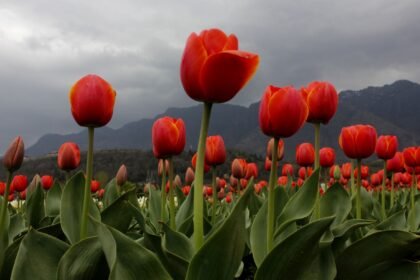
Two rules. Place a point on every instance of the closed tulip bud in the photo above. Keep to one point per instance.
(412, 156)
(282, 181)
(94, 186)
(358, 141)
(406, 178)
(239, 167)
(13, 157)
(302, 173)
(267, 164)
(386, 146)
(121, 177)
(168, 137)
(221, 183)
(233, 181)
(364, 173)
(322, 100)
(397, 178)
(257, 188)
(19, 183)
(186, 190)
(2, 188)
(280, 149)
(68, 156)
(213, 70)
(22, 195)
(300, 182)
(189, 176)
(100, 193)
(215, 150)
(92, 101)
(346, 170)
(365, 183)
(251, 170)
(160, 167)
(375, 179)
(47, 182)
(194, 162)
(326, 157)
(283, 111)
(305, 154)
(287, 170)
(335, 172)
(177, 181)
(228, 197)
(396, 164)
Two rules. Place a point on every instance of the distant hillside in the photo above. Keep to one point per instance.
(392, 109)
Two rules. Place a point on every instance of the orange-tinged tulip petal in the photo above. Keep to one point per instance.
(168, 137)
(358, 141)
(68, 156)
(322, 100)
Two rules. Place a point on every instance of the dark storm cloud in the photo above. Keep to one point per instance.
(45, 46)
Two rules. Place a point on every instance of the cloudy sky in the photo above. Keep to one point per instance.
(46, 46)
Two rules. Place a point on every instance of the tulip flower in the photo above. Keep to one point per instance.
(326, 157)
(346, 170)
(161, 167)
(282, 181)
(189, 176)
(22, 195)
(13, 157)
(305, 154)
(68, 157)
(168, 137)
(251, 171)
(92, 102)
(47, 182)
(215, 150)
(364, 172)
(95, 186)
(375, 179)
(100, 193)
(186, 190)
(412, 159)
(280, 149)
(239, 168)
(412, 156)
(19, 183)
(395, 164)
(358, 142)
(194, 163)
(121, 176)
(287, 170)
(2, 188)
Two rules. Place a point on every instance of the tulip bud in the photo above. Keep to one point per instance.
(189, 176)
(2, 188)
(160, 167)
(251, 171)
(287, 170)
(239, 167)
(47, 182)
(282, 181)
(186, 190)
(68, 156)
(280, 149)
(121, 177)
(94, 186)
(305, 154)
(100, 193)
(13, 157)
(22, 195)
(337, 172)
(19, 183)
(177, 181)
(194, 162)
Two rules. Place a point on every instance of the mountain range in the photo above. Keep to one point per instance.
(392, 109)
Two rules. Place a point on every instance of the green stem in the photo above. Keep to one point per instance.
(383, 211)
(3, 209)
(171, 196)
(391, 202)
(412, 201)
(86, 196)
(199, 179)
(358, 195)
(163, 193)
(352, 177)
(271, 202)
(215, 200)
(317, 148)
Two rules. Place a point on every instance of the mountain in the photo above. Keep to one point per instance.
(392, 109)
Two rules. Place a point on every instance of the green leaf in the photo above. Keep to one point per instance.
(17, 225)
(137, 215)
(35, 210)
(38, 256)
(401, 270)
(300, 205)
(395, 222)
(71, 209)
(293, 257)
(374, 249)
(227, 240)
(258, 238)
(118, 214)
(111, 193)
(417, 211)
(336, 201)
(367, 204)
(53, 200)
(154, 207)
(83, 260)
(9, 259)
(4, 232)
(185, 211)
(126, 258)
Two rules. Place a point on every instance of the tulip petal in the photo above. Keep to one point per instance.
(191, 64)
(231, 43)
(214, 40)
(225, 73)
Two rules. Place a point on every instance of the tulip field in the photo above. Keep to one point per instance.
(313, 219)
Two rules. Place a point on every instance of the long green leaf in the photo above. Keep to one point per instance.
(111, 193)
(118, 214)
(53, 200)
(336, 201)
(35, 210)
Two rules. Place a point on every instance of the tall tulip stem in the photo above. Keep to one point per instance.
(215, 200)
(5, 201)
(199, 179)
(358, 195)
(317, 148)
(412, 201)
(171, 195)
(163, 193)
(352, 177)
(391, 202)
(86, 196)
(383, 210)
(271, 196)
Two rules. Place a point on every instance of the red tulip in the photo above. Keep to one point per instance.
(412, 156)
(160, 167)
(365, 172)
(375, 179)
(406, 178)
(121, 176)
(239, 167)
(189, 176)
(2, 188)
(251, 171)
(397, 178)
(168, 137)
(22, 195)
(94, 186)
(257, 188)
(228, 197)
(186, 190)
(19, 183)
(47, 182)
(221, 183)
(92, 101)
(305, 154)
(215, 150)
(267, 164)
(287, 169)
(280, 149)
(283, 111)
(358, 141)
(335, 172)
(68, 156)
(213, 70)
(386, 146)
(322, 100)
(243, 183)
(395, 164)
(13, 157)
(194, 161)
(303, 173)
(326, 157)
(100, 193)
(346, 170)
(282, 180)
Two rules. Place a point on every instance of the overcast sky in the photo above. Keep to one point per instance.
(46, 46)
